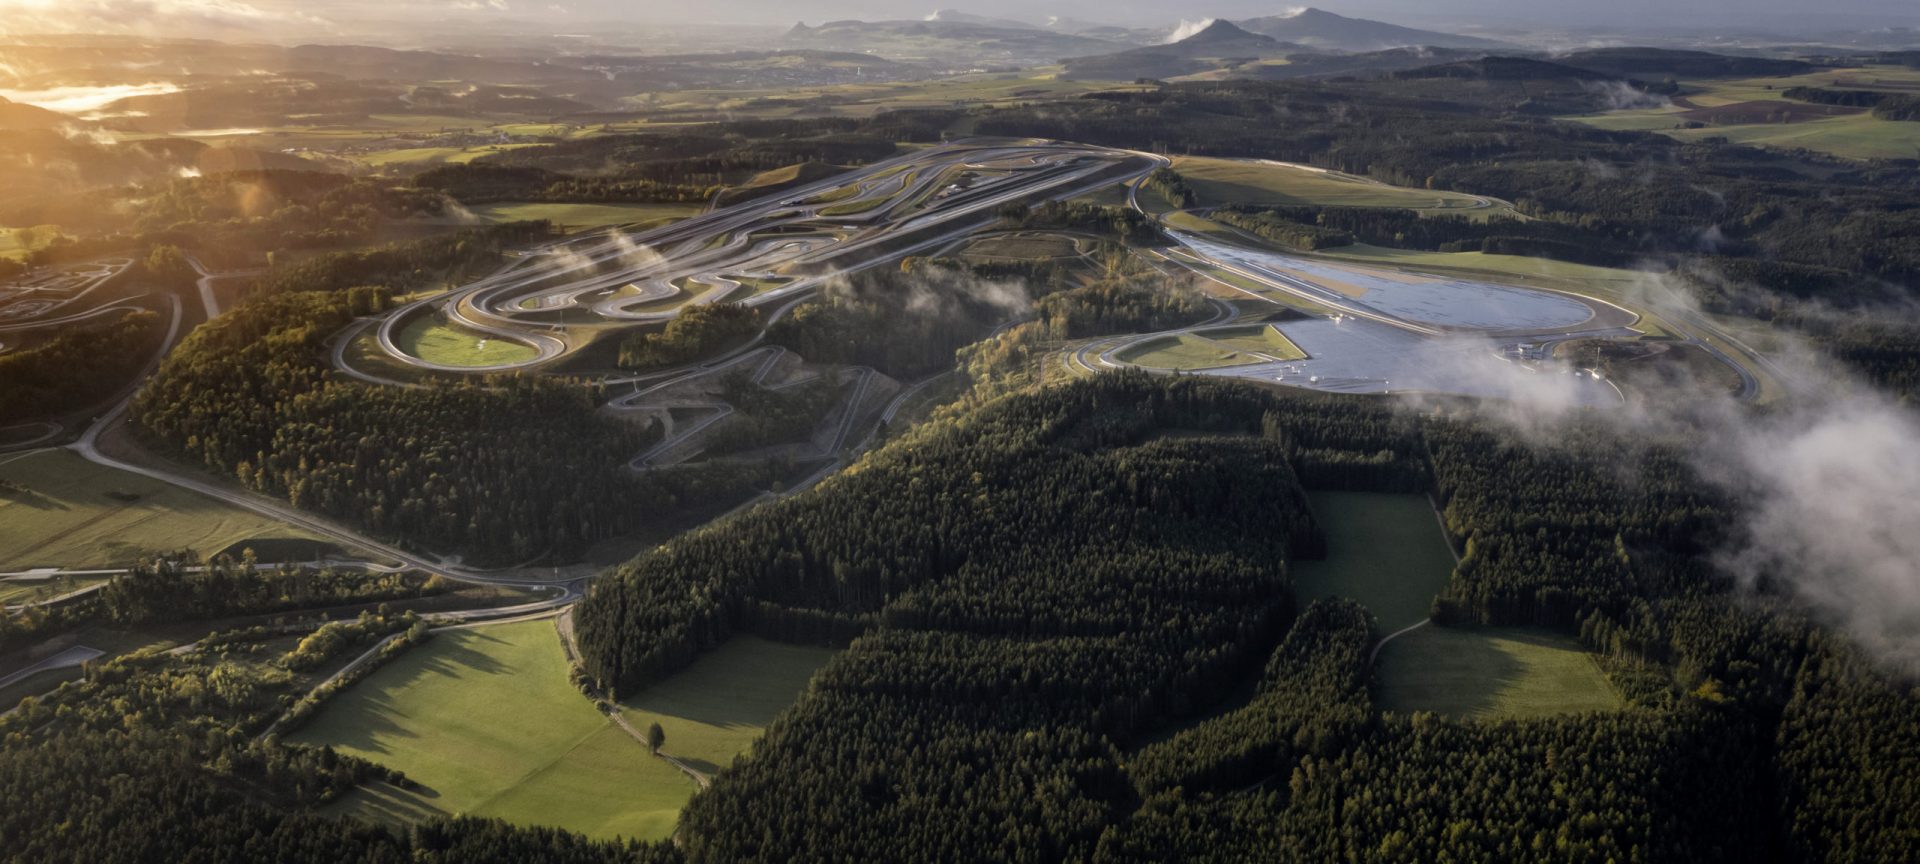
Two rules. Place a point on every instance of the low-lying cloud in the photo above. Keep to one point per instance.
(1825, 482)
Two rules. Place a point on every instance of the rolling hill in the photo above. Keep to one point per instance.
(1324, 30)
(953, 42)
(1663, 62)
(1220, 46)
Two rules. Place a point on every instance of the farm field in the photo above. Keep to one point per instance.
(577, 216)
(424, 156)
(1183, 351)
(1240, 181)
(1845, 133)
(430, 338)
(716, 708)
(487, 721)
(1496, 673)
(63, 511)
(1383, 550)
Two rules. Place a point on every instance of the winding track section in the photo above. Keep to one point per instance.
(762, 252)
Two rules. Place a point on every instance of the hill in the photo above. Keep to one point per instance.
(1663, 62)
(1517, 84)
(1503, 69)
(955, 42)
(955, 16)
(1220, 45)
(20, 115)
(1364, 64)
(1324, 30)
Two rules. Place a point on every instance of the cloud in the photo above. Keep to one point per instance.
(1188, 28)
(1821, 481)
(78, 100)
(140, 17)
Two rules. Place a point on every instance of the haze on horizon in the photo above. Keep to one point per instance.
(293, 20)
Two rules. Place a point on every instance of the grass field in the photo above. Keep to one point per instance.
(1240, 181)
(1385, 551)
(1564, 273)
(1859, 136)
(64, 511)
(715, 709)
(576, 216)
(486, 719)
(1183, 352)
(1032, 247)
(854, 208)
(1487, 674)
(422, 156)
(430, 338)
(1262, 339)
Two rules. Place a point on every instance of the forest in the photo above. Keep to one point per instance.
(1028, 715)
(77, 368)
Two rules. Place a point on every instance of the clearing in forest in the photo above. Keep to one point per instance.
(487, 721)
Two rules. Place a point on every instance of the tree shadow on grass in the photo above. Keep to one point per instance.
(1458, 673)
(366, 715)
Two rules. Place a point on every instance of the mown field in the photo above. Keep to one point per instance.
(1263, 339)
(1243, 181)
(1387, 552)
(486, 719)
(1030, 247)
(431, 338)
(59, 510)
(579, 216)
(1489, 674)
(718, 707)
(1183, 351)
(1855, 136)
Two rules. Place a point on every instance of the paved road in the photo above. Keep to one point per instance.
(75, 656)
(789, 244)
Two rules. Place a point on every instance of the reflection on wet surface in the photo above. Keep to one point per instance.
(1358, 356)
(1452, 303)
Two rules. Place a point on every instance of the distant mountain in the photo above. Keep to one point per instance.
(955, 16)
(1323, 30)
(20, 115)
(1364, 64)
(368, 62)
(1221, 45)
(1112, 33)
(1665, 63)
(950, 42)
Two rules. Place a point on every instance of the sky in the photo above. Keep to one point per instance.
(325, 19)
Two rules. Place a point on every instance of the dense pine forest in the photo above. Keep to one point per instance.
(1067, 614)
(1017, 657)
